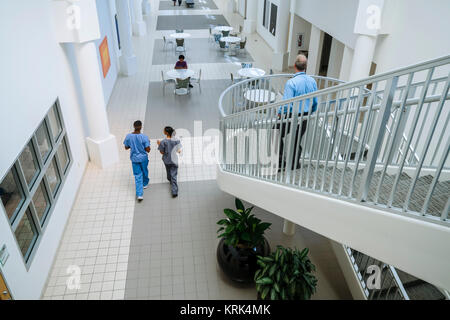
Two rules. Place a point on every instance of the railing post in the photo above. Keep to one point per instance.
(380, 129)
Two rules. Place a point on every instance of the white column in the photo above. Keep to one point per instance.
(334, 63)
(362, 57)
(291, 31)
(139, 26)
(128, 60)
(102, 145)
(288, 228)
(145, 7)
(281, 55)
(367, 26)
(252, 14)
(315, 50)
(231, 6)
(346, 65)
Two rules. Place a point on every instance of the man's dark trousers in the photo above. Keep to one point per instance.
(286, 127)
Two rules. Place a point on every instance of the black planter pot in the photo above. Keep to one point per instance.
(240, 264)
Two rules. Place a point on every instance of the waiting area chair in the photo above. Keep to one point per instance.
(168, 42)
(166, 81)
(197, 80)
(182, 86)
(190, 3)
(225, 33)
(180, 46)
(223, 45)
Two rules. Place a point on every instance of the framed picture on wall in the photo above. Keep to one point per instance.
(104, 56)
(300, 40)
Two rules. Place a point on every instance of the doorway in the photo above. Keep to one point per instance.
(325, 56)
(4, 291)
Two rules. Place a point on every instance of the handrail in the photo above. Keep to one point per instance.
(374, 141)
(391, 286)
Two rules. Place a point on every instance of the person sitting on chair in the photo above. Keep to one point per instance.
(181, 64)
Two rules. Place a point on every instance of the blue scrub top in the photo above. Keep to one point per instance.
(137, 144)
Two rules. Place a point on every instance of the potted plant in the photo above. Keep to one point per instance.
(242, 240)
(286, 274)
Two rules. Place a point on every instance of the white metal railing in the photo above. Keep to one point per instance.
(374, 141)
(390, 285)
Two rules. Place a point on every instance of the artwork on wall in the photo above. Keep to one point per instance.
(300, 40)
(104, 56)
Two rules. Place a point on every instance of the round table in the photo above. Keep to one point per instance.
(260, 96)
(230, 39)
(251, 72)
(181, 35)
(222, 28)
(180, 74)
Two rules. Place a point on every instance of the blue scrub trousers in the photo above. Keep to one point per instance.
(140, 171)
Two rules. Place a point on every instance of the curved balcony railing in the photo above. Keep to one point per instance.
(382, 141)
(250, 93)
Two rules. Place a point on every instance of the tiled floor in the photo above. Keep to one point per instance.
(199, 5)
(100, 233)
(198, 50)
(174, 241)
(182, 112)
(189, 22)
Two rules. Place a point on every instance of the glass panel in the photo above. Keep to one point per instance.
(63, 155)
(43, 140)
(29, 163)
(11, 193)
(53, 177)
(55, 124)
(273, 19)
(25, 233)
(41, 203)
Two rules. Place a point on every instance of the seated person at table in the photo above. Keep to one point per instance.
(181, 64)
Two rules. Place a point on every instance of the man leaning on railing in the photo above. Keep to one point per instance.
(298, 85)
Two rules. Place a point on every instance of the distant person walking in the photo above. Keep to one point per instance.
(139, 146)
(298, 85)
(170, 148)
(179, 2)
(174, 3)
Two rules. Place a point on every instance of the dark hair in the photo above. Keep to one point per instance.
(169, 130)
(301, 65)
(181, 57)
(137, 124)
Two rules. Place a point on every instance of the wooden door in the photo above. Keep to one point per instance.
(4, 292)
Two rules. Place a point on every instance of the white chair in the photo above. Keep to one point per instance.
(168, 42)
(197, 80)
(182, 87)
(165, 81)
(180, 46)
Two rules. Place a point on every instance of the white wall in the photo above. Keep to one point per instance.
(300, 26)
(417, 31)
(107, 29)
(36, 70)
(262, 31)
(337, 18)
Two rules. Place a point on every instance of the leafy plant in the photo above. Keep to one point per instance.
(286, 274)
(242, 229)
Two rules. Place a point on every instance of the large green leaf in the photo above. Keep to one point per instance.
(265, 292)
(273, 294)
(223, 221)
(231, 214)
(265, 280)
(239, 205)
(272, 269)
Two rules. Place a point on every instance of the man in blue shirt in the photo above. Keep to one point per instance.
(298, 85)
(140, 147)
